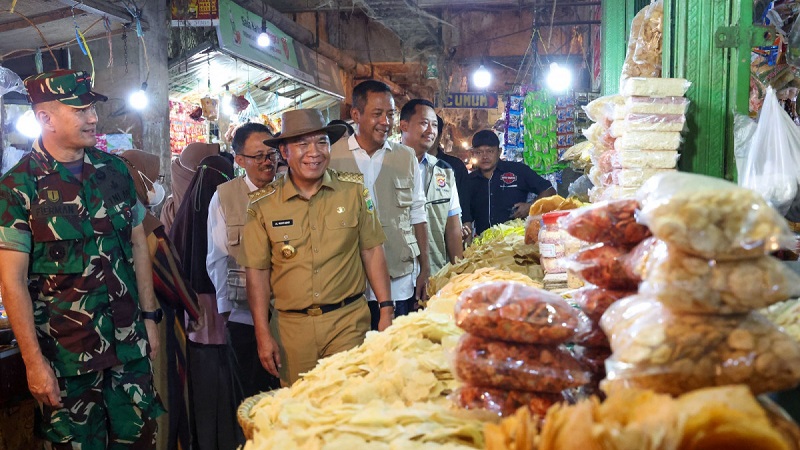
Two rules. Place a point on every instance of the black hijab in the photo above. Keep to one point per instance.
(189, 231)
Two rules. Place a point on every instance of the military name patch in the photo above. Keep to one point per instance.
(282, 223)
(47, 210)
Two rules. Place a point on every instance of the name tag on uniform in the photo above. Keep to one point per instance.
(282, 223)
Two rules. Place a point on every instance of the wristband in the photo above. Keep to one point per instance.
(386, 304)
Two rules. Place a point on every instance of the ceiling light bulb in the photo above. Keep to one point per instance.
(464, 144)
(482, 77)
(28, 126)
(138, 100)
(263, 39)
(559, 79)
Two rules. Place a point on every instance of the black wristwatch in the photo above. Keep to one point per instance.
(155, 316)
(386, 304)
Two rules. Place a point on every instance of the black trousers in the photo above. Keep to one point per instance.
(247, 367)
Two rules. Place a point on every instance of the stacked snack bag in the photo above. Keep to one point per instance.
(638, 131)
(614, 235)
(692, 323)
(513, 353)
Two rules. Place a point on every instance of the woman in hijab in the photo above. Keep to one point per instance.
(182, 170)
(175, 298)
(211, 381)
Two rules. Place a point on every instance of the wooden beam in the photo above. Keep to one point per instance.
(37, 19)
(104, 8)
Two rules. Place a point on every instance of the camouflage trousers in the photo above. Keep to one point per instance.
(112, 409)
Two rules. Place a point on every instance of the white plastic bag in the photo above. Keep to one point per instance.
(772, 167)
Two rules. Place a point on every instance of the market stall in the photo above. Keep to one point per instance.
(657, 317)
(237, 79)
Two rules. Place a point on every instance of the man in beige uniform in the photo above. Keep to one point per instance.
(311, 236)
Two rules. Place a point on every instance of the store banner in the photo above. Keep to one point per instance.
(238, 31)
(471, 100)
(195, 13)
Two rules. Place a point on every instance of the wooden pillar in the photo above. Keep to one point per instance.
(155, 119)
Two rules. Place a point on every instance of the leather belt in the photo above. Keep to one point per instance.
(322, 309)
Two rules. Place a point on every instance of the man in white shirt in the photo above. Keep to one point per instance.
(226, 218)
(391, 174)
(418, 127)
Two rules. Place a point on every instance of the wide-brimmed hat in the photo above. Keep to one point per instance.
(305, 121)
(70, 87)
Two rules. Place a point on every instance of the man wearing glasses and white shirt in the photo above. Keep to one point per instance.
(226, 218)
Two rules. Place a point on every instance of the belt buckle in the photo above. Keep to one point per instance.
(315, 311)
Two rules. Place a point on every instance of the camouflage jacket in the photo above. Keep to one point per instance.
(77, 233)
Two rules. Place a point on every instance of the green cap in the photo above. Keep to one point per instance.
(70, 87)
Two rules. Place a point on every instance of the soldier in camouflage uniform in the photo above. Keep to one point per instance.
(70, 239)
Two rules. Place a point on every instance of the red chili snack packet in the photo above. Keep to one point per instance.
(483, 362)
(610, 222)
(514, 312)
(504, 402)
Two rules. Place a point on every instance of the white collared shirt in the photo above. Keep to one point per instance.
(370, 167)
(217, 259)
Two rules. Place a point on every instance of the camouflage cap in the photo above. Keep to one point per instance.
(70, 87)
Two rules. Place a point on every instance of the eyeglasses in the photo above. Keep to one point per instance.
(260, 158)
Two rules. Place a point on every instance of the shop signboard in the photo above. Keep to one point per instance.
(471, 100)
(195, 13)
(238, 31)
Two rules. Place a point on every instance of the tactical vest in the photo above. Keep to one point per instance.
(394, 193)
(438, 184)
(233, 201)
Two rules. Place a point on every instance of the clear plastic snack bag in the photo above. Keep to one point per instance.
(773, 157)
(504, 402)
(711, 217)
(605, 266)
(611, 222)
(671, 352)
(697, 285)
(514, 312)
(505, 365)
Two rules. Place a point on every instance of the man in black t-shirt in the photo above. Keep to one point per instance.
(498, 190)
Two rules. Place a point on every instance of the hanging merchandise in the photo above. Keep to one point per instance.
(10, 82)
(514, 144)
(548, 127)
(186, 125)
(210, 107)
(774, 155)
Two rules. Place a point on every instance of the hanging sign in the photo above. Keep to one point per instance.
(238, 33)
(471, 100)
(195, 13)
